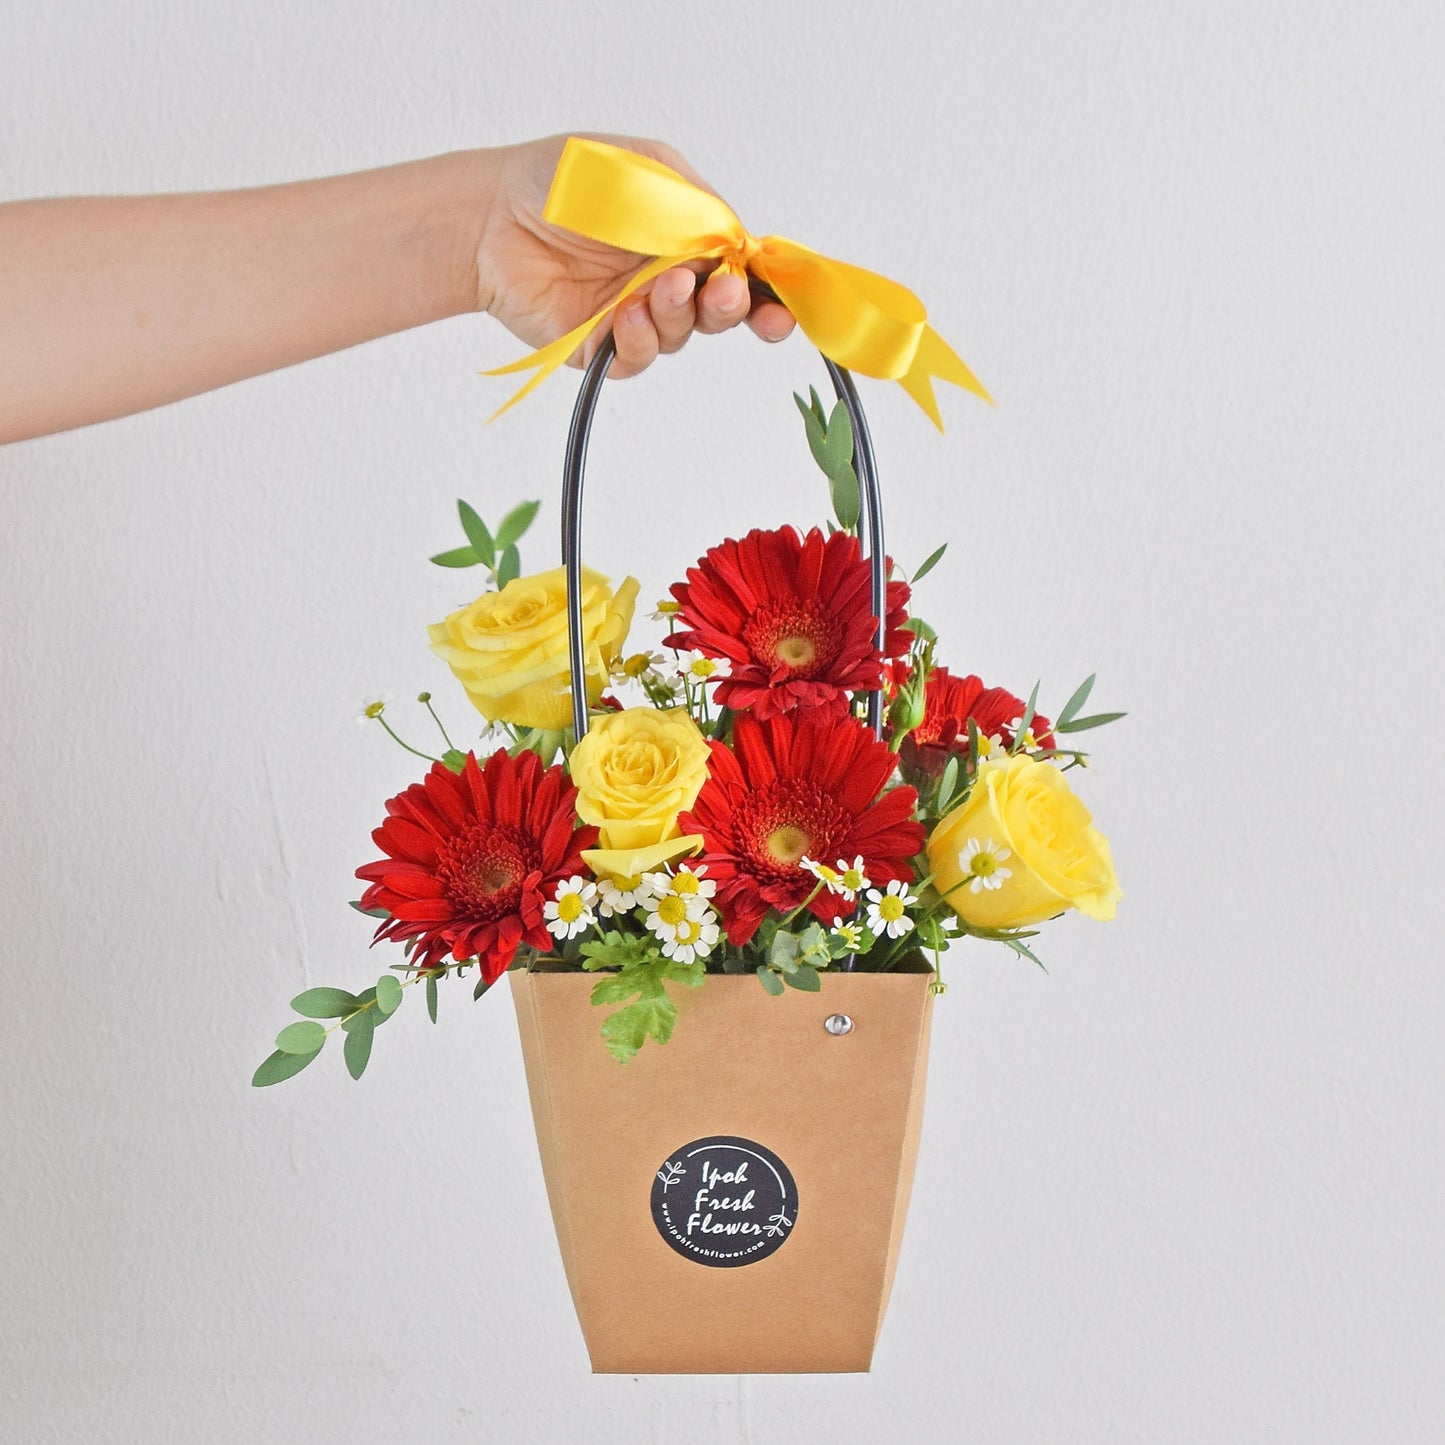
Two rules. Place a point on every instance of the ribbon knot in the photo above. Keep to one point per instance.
(857, 318)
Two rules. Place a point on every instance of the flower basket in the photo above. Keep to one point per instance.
(734, 1202)
(841, 1110)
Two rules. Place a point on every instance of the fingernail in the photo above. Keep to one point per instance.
(632, 315)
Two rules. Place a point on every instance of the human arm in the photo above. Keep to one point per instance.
(111, 305)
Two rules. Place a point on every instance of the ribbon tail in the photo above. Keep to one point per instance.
(554, 356)
(935, 357)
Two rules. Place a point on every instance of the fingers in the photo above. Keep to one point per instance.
(660, 321)
(637, 341)
(722, 302)
(770, 321)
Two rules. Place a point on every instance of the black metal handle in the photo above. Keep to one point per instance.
(572, 469)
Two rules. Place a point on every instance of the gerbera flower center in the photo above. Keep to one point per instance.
(788, 844)
(482, 870)
(779, 826)
(800, 639)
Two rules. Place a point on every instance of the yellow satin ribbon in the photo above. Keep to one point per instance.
(861, 320)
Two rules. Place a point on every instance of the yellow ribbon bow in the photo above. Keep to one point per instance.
(857, 318)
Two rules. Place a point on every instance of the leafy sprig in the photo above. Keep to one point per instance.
(497, 552)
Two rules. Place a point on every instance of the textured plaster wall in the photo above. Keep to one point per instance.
(1186, 1188)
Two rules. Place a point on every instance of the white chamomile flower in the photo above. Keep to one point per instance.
(691, 938)
(638, 667)
(685, 882)
(885, 910)
(665, 610)
(851, 935)
(851, 879)
(373, 708)
(674, 917)
(983, 864)
(820, 871)
(991, 749)
(571, 910)
(699, 669)
(621, 893)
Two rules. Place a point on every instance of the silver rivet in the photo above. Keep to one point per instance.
(838, 1025)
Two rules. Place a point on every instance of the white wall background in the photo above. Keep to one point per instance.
(1188, 1187)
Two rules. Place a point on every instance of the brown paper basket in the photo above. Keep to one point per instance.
(818, 1125)
(842, 1111)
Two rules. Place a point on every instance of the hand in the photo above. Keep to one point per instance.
(540, 281)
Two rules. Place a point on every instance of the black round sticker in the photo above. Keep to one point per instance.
(724, 1201)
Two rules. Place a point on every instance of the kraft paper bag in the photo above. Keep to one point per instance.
(732, 1201)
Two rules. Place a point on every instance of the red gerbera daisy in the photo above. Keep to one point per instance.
(797, 786)
(473, 856)
(793, 618)
(949, 702)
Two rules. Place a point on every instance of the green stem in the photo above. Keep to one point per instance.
(450, 744)
(399, 742)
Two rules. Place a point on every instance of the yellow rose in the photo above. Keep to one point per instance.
(1021, 848)
(509, 648)
(635, 771)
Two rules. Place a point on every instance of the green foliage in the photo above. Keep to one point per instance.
(1069, 721)
(830, 439)
(481, 539)
(457, 557)
(303, 1037)
(932, 561)
(771, 981)
(516, 522)
(324, 1003)
(371, 912)
(431, 996)
(804, 977)
(1026, 721)
(647, 1012)
(360, 1028)
(495, 551)
(279, 1066)
(1083, 724)
(454, 760)
(388, 995)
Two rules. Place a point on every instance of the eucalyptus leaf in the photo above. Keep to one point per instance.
(932, 561)
(838, 444)
(804, 977)
(302, 1037)
(457, 557)
(324, 1003)
(388, 994)
(1076, 701)
(770, 981)
(358, 1042)
(946, 783)
(1083, 724)
(476, 529)
(278, 1066)
(516, 522)
(846, 503)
